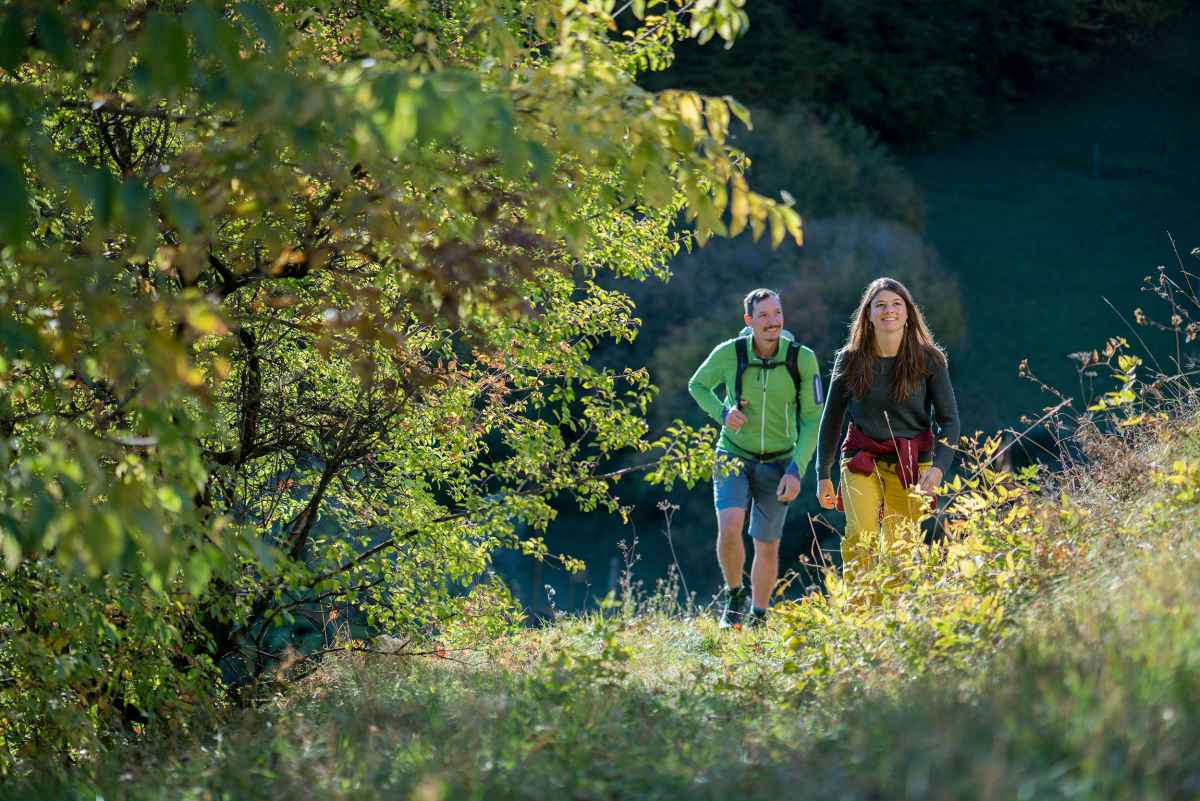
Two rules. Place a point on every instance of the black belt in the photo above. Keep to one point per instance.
(891, 458)
(769, 457)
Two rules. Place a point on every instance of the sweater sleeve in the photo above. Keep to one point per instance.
(708, 376)
(945, 413)
(812, 402)
(831, 420)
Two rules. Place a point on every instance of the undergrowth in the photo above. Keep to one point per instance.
(1062, 663)
(1045, 646)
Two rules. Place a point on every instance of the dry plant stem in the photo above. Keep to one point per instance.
(668, 510)
(1133, 330)
(1182, 270)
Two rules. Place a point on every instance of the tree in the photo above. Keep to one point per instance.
(296, 308)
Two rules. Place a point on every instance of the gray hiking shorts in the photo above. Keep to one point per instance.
(746, 484)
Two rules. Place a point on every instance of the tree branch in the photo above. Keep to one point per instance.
(114, 106)
(251, 405)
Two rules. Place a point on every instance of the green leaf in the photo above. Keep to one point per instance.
(19, 338)
(657, 187)
(52, 36)
(402, 126)
(739, 111)
(103, 197)
(135, 214)
(542, 162)
(14, 202)
(214, 36)
(113, 61)
(12, 39)
(164, 49)
(197, 573)
(10, 549)
(184, 213)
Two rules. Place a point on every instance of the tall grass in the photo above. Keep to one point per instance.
(1048, 647)
(1087, 692)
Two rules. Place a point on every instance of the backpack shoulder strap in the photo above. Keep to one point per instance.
(793, 368)
(743, 360)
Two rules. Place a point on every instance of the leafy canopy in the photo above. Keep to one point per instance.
(296, 308)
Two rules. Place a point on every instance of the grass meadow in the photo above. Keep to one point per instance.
(1049, 649)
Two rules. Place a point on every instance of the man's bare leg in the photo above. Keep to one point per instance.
(731, 551)
(764, 572)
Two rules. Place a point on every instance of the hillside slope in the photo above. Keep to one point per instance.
(1037, 240)
(1063, 664)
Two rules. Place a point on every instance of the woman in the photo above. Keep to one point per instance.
(892, 379)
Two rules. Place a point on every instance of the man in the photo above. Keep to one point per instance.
(765, 446)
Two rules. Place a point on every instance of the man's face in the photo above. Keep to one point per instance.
(766, 320)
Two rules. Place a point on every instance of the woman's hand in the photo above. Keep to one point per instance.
(826, 494)
(930, 480)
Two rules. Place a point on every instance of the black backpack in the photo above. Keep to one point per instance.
(742, 348)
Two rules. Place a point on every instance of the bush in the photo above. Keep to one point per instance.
(832, 166)
(86, 663)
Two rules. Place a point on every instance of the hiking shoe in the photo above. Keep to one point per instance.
(734, 610)
(756, 618)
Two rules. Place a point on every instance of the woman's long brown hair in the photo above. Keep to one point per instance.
(918, 352)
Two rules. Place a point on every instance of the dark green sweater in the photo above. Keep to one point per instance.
(880, 416)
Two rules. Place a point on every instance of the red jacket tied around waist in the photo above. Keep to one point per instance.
(906, 449)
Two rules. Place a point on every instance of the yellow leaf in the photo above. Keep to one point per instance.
(778, 228)
(717, 117)
(205, 320)
(689, 111)
(187, 373)
(739, 206)
(739, 111)
(1128, 363)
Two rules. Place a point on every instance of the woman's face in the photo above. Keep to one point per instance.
(889, 312)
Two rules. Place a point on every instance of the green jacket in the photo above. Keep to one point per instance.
(770, 403)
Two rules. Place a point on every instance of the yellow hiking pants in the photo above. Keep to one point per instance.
(879, 511)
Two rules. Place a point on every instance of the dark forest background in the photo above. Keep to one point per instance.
(1017, 165)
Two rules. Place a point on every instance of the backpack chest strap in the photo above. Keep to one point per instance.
(742, 349)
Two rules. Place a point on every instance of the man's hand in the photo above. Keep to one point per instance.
(734, 419)
(788, 489)
(930, 480)
(826, 494)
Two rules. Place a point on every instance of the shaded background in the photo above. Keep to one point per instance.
(1014, 165)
